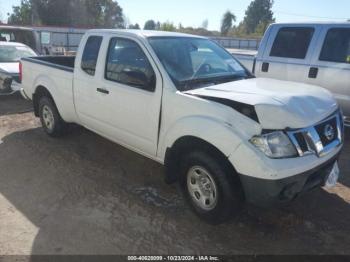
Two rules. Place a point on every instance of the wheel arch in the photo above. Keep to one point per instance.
(40, 91)
(187, 144)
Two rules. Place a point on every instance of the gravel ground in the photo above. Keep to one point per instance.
(85, 195)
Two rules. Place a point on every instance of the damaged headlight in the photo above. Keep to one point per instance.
(275, 145)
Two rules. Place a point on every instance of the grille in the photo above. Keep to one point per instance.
(301, 141)
(320, 139)
(321, 131)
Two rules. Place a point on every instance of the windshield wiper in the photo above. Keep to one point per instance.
(210, 80)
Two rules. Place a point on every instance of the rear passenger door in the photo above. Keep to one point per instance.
(287, 54)
(331, 64)
(86, 79)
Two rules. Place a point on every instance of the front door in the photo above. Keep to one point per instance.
(125, 100)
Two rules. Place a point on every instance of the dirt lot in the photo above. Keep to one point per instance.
(85, 195)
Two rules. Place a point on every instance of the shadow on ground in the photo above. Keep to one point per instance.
(14, 104)
(345, 160)
(87, 195)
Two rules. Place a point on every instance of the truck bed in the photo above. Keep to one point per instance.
(59, 62)
(246, 57)
(54, 73)
(245, 52)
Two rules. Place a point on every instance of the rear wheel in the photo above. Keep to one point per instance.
(210, 187)
(51, 120)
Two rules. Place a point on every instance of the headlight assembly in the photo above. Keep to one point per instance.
(275, 145)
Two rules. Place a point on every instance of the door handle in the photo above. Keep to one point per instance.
(313, 72)
(103, 91)
(265, 67)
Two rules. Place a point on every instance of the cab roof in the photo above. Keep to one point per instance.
(315, 23)
(141, 33)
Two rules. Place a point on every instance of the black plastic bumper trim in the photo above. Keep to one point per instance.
(263, 192)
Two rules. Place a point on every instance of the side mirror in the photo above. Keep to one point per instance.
(139, 79)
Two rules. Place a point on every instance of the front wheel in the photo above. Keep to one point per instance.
(212, 191)
(50, 118)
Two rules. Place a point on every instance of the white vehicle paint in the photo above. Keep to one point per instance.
(315, 53)
(294, 106)
(275, 139)
(10, 54)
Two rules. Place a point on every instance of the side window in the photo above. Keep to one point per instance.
(292, 42)
(128, 64)
(90, 54)
(336, 47)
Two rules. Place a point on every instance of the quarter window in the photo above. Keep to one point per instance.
(336, 47)
(292, 42)
(90, 54)
(128, 64)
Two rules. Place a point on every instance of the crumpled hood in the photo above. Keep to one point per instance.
(11, 68)
(278, 104)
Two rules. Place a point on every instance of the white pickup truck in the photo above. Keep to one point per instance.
(185, 102)
(311, 53)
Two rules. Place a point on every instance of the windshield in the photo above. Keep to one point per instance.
(195, 62)
(10, 54)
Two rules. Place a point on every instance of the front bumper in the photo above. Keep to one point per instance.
(263, 192)
(267, 181)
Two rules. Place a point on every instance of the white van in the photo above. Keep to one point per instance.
(313, 53)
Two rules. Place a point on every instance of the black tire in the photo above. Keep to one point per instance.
(229, 191)
(58, 126)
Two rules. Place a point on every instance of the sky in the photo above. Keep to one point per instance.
(194, 12)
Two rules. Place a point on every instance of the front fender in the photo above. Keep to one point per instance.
(217, 133)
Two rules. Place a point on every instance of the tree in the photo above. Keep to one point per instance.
(112, 14)
(150, 25)
(22, 14)
(205, 24)
(167, 26)
(85, 13)
(135, 26)
(227, 23)
(258, 16)
(57, 13)
(197, 31)
(127, 22)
